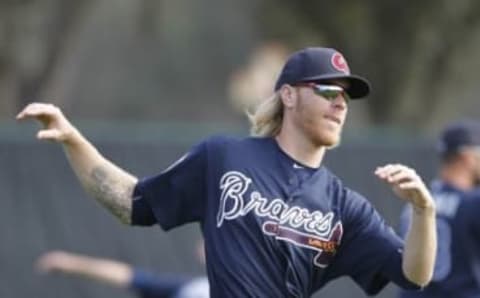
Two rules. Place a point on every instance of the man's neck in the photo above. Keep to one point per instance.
(300, 148)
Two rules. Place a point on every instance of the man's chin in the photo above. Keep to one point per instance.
(328, 141)
(334, 145)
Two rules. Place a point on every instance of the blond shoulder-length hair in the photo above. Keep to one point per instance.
(266, 119)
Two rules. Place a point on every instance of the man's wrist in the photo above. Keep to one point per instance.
(427, 208)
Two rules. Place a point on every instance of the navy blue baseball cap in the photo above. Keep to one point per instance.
(459, 135)
(320, 65)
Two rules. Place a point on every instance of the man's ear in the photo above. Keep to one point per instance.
(289, 96)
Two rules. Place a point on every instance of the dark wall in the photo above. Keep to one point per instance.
(43, 207)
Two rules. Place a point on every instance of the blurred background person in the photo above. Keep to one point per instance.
(146, 284)
(254, 82)
(457, 196)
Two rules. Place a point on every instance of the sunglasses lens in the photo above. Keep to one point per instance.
(331, 92)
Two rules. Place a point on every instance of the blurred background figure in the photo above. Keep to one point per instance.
(146, 284)
(457, 196)
(255, 81)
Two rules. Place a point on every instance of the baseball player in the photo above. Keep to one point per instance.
(146, 284)
(276, 222)
(457, 197)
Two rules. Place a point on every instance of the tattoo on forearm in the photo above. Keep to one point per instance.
(112, 193)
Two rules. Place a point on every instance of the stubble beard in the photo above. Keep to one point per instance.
(321, 138)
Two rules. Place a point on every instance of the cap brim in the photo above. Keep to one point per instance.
(358, 87)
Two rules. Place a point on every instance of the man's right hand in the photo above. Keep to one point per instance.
(56, 126)
(56, 261)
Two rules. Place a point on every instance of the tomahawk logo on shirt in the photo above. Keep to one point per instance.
(297, 225)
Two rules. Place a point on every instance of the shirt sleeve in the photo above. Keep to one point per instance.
(150, 285)
(371, 252)
(174, 197)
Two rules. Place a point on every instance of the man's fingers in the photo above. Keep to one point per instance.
(389, 170)
(400, 176)
(48, 134)
(405, 183)
(409, 185)
(50, 262)
(32, 114)
(36, 110)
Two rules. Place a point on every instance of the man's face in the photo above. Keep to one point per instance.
(320, 115)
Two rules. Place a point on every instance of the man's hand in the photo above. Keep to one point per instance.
(56, 127)
(104, 270)
(407, 185)
(56, 261)
(421, 240)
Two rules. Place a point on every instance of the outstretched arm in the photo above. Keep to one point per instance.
(421, 240)
(107, 271)
(107, 183)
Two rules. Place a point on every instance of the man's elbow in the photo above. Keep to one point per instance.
(125, 220)
(419, 277)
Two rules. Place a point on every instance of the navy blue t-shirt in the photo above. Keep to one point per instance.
(457, 266)
(269, 230)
